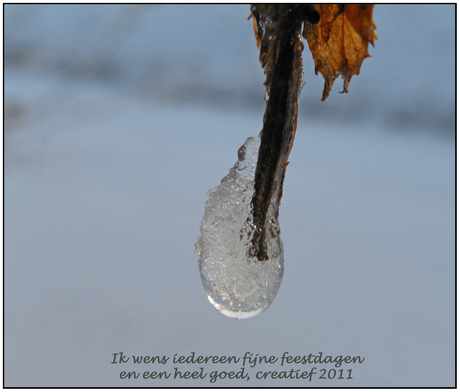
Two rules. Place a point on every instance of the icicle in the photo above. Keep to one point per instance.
(236, 283)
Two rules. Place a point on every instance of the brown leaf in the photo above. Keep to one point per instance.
(340, 40)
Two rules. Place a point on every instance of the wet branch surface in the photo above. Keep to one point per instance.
(281, 50)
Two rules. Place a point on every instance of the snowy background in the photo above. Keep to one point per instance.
(119, 119)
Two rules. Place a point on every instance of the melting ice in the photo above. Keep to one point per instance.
(238, 285)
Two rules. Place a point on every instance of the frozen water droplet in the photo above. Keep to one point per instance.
(237, 284)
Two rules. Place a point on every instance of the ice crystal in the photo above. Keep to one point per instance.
(238, 284)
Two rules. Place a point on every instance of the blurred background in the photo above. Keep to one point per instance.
(119, 119)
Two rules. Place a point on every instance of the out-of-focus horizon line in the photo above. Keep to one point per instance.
(207, 54)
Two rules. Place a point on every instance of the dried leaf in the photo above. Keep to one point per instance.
(340, 40)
